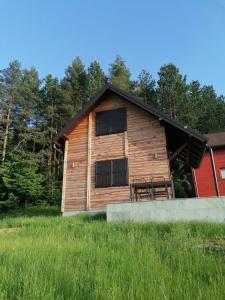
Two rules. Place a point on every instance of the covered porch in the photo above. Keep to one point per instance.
(185, 146)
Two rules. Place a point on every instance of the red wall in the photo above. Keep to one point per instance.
(203, 176)
(220, 163)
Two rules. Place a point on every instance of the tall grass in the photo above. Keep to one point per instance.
(85, 258)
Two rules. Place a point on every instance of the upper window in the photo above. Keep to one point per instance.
(222, 173)
(111, 121)
(111, 173)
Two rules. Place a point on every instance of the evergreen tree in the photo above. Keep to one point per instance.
(26, 115)
(220, 112)
(211, 112)
(96, 78)
(10, 80)
(119, 74)
(22, 179)
(172, 92)
(195, 104)
(51, 113)
(145, 88)
(74, 89)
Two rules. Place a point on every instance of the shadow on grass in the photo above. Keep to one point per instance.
(47, 211)
(32, 211)
(101, 216)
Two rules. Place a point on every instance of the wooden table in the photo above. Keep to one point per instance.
(151, 189)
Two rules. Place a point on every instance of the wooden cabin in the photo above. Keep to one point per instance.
(118, 149)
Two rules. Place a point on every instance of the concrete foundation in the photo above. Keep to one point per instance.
(192, 209)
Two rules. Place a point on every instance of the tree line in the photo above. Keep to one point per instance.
(33, 110)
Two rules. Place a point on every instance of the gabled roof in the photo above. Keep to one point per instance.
(174, 130)
(216, 140)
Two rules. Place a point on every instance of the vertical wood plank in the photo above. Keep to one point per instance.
(64, 176)
(126, 153)
(89, 161)
(125, 144)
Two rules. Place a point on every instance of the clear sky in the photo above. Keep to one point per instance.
(50, 33)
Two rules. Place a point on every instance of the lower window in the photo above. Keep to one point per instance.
(111, 173)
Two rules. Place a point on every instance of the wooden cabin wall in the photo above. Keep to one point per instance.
(75, 194)
(144, 143)
(144, 137)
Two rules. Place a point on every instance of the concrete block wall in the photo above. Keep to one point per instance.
(192, 209)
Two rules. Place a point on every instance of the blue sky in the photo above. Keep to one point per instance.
(147, 34)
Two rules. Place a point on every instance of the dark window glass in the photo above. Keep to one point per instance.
(103, 173)
(111, 121)
(119, 174)
(103, 123)
(111, 173)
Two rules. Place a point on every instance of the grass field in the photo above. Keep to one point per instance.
(45, 256)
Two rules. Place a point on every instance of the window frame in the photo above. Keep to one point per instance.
(126, 183)
(111, 130)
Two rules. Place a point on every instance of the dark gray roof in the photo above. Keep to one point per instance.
(216, 139)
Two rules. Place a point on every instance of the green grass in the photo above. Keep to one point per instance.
(85, 258)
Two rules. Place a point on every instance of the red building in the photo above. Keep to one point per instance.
(209, 178)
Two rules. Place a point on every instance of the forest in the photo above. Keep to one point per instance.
(34, 109)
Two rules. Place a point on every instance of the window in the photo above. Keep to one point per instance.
(222, 173)
(111, 121)
(111, 173)
(103, 173)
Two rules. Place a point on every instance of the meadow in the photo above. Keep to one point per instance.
(45, 256)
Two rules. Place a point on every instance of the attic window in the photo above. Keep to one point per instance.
(111, 173)
(111, 121)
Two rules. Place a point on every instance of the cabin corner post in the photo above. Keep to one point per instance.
(89, 162)
(64, 176)
(126, 153)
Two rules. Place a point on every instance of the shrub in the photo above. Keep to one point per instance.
(7, 205)
(21, 180)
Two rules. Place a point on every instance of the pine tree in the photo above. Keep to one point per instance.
(96, 78)
(119, 74)
(145, 88)
(195, 103)
(74, 88)
(211, 112)
(10, 80)
(172, 92)
(27, 111)
(51, 114)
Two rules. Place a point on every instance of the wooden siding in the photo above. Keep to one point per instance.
(144, 144)
(75, 194)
